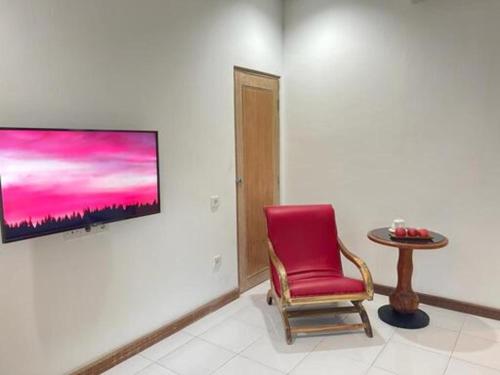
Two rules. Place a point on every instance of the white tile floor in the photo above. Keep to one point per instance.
(246, 338)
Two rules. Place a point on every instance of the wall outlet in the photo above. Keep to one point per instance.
(75, 233)
(99, 228)
(82, 232)
(214, 203)
(217, 262)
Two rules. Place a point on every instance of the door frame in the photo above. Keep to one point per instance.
(239, 170)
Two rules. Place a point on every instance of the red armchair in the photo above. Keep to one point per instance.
(306, 269)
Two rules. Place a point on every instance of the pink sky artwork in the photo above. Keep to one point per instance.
(57, 173)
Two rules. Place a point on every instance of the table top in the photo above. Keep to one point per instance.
(382, 236)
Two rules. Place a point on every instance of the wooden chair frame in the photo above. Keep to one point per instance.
(285, 302)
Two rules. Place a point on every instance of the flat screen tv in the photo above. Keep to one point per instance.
(56, 180)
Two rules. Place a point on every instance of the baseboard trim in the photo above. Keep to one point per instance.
(447, 303)
(254, 280)
(137, 346)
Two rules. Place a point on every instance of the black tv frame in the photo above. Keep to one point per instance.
(86, 227)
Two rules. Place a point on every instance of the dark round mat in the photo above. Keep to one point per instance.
(419, 319)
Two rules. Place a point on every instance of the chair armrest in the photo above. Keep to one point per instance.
(361, 265)
(280, 270)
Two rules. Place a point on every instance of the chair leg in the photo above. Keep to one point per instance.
(364, 318)
(286, 323)
(269, 297)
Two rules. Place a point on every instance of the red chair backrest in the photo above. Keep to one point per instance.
(304, 238)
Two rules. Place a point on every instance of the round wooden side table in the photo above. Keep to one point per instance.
(403, 310)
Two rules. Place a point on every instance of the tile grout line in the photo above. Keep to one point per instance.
(231, 350)
(144, 368)
(223, 364)
(479, 365)
(187, 342)
(157, 364)
(410, 345)
(261, 363)
(460, 333)
(172, 351)
(240, 354)
(165, 367)
(236, 353)
(466, 334)
(482, 338)
(455, 346)
(307, 355)
(380, 352)
(421, 346)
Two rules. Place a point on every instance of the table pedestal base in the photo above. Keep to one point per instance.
(418, 319)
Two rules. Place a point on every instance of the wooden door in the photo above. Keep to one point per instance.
(257, 169)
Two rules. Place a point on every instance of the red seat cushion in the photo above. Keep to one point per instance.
(304, 238)
(322, 283)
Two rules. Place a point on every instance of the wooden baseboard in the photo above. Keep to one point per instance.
(447, 303)
(254, 280)
(137, 346)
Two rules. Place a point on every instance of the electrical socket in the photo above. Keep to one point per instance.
(217, 262)
(214, 203)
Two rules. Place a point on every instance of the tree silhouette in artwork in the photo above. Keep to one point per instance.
(88, 217)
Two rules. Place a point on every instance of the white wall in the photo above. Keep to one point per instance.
(127, 64)
(393, 110)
